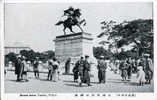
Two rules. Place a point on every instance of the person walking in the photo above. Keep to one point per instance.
(129, 68)
(102, 66)
(18, 69)
(55, 69)
(134, 65)
(148, 68)
(86, 70)
(80, 66)
(123, 69)
(25, 69)
(35, 68)
(50, 69)
(76, 69)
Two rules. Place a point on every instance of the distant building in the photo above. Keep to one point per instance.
(15, 48)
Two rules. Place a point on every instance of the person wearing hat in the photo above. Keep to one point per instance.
(102, 66)
(86, 70)
(148, 68)
(123, 69)
(35, 67)
(50, 69)
(78, 70)
(18, 68)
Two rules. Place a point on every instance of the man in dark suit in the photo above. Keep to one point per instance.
(18, 68)
(102, 70)
(86, 71)
(79, 67)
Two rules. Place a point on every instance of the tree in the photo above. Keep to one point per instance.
(10, 57)
(138, 32)
(43, 56)
(25, 53)
(29, 54)
(107, 28)
(100, 51)
(50, 54)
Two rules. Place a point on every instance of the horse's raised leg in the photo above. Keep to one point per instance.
(64, 30)
(71, 29)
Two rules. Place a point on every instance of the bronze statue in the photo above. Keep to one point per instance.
(73, 18)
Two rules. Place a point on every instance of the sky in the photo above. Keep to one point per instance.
(33, 24)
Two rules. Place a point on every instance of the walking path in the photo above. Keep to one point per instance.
(66, 85)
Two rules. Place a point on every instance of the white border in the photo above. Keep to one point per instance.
(1, 46)
(65, 96)
(71, 1)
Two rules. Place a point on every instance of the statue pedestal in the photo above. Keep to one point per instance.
(73, 46)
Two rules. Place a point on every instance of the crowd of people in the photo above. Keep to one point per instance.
(142, 67)
(22, 68)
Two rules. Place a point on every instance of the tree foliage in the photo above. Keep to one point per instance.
(100, 51)
(138, 32)
(30, 55)
(10, 57)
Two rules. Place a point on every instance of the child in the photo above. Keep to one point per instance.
(140, 76)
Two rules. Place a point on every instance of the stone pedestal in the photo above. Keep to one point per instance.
(73, 46)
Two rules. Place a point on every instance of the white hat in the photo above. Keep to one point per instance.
(28, 62)
(139, 67)
(102, 57)
(10, 62)
(146, 55)
(19, 56)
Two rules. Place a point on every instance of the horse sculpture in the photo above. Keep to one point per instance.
(70, 22)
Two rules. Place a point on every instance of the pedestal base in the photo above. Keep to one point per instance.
(73, 46)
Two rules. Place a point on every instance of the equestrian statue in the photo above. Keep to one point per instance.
(72, 19)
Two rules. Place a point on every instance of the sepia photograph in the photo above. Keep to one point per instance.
(79, 47)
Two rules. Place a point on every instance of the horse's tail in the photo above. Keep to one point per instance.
(59, 23)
